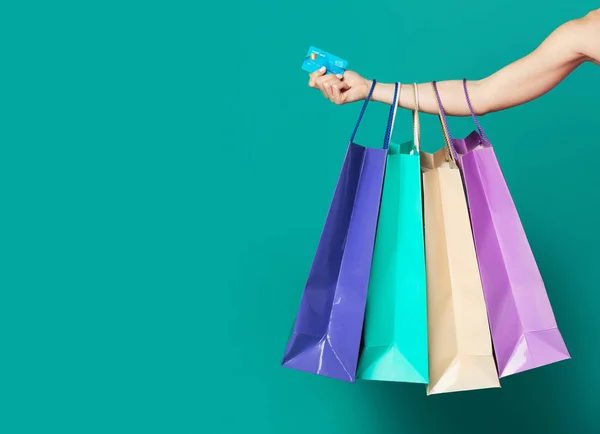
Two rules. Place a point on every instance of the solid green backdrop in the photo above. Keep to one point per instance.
(165, 173)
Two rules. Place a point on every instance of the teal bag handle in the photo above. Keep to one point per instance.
(395, 327)
(391, 118)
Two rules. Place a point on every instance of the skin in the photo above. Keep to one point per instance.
(572, 44)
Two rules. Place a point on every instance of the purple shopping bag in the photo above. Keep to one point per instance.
(327, 333)
(524, 331)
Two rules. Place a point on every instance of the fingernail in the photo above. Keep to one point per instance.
(340, 76)
(322, 69)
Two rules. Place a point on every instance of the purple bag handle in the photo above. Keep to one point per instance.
(444, 122)
(479, 127)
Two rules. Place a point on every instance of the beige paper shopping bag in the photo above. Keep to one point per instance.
(460, 346)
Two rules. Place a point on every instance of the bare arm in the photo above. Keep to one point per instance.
(528, 78)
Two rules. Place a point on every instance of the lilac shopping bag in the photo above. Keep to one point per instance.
(327, 333)
(524, 331)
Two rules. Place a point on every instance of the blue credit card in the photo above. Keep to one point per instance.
(316, 58)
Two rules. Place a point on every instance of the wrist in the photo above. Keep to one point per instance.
(383, 92)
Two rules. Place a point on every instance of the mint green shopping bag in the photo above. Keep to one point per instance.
(395, 330)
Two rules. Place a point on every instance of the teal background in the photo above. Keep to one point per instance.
(164, 176)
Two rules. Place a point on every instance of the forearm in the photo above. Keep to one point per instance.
(520, 82)
(451, 92)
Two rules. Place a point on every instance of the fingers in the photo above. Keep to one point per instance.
(337, 90)
(327, 89)
(331, 86)
(320, 77)
(312, 82)
(324, 84)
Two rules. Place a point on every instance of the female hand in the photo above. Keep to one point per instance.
(340, 89)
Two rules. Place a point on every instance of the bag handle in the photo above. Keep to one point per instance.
(479, 127)
(362, 111)
(391, 117)
(452, 154)
(415, 117)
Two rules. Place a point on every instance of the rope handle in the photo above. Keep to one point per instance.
(452, 154)
(479, 127)
(362, 111)
(391, 118)
(416, 122)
